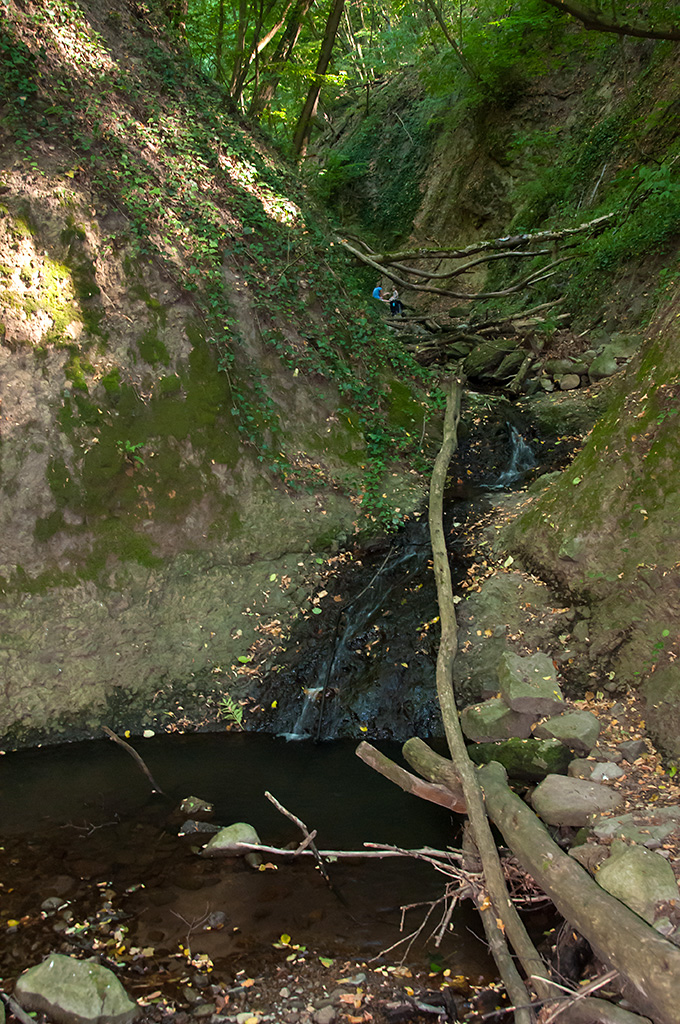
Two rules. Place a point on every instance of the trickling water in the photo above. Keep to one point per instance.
(306, 720)
(522, 460)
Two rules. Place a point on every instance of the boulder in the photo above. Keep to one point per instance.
(222, 844)
(564, 801)
(487, 357)
(529, 685)
(604, 365)
(632, 749)
(494, 720)
(570, 381)
(524, 760)
(639, 878)
(578, 730)
(71, 991)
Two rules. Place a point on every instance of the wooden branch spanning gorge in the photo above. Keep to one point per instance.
(393, 265)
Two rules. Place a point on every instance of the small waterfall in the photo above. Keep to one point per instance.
(521, 461)
(304, 725)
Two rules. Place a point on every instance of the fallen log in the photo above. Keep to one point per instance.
(648, 965)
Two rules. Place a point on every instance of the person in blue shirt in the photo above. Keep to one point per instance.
(378, 293)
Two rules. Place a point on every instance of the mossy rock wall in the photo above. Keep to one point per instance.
(142, 545)
(607, 531)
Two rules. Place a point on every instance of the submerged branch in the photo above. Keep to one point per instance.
(135, 757)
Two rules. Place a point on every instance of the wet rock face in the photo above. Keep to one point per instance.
(607, 532)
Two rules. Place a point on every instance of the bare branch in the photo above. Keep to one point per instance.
(596, 21)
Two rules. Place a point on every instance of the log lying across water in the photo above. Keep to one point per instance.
(648, 965)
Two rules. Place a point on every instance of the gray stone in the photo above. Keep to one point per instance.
(606, 771)
(632, 749)
(589, 855)
(494, 720)
(623, 346)
(526, 760)
(71, 991)
(325, 1016)
(563, 801)
(194, 807)
(639, 878)
(570, 382)
(578, 730)
(487, 357)
(579, 768)
(222, 844)
(604, 365)
(529, 685)
(627, 826)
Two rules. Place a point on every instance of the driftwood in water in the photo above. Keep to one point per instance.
(155, 788)
(648, 965)
(449, 795)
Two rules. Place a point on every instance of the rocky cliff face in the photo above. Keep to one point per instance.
(186, 383)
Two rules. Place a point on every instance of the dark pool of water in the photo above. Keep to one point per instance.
(78, 821)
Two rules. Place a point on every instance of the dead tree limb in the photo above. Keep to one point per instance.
(308, 838)
(494, 244)
(445, 796)
(480, 829)
(648, 963)
(155, 788)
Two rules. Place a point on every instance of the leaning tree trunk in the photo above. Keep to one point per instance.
(302, 128)
(648, 965)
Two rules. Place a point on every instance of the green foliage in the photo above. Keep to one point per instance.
(230, 710)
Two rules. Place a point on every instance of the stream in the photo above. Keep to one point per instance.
(91, 860)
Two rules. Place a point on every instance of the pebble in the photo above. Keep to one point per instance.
(284, 993)
(325, 1016)
(606, 770)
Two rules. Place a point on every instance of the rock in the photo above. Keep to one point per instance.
(190, 828)
(579, 768)
(639, 878)
(325, 1016)
(194, 807)
(624, 346)
(627, 826)
(222, 844)
(578, 730)
(509, 366)
(569, 382)
(563, 801)
(632, 749)
(515, 601)
(52, 904)
(494, 720)
(606, 770)
(589, 855)
(71, 991)
(529, 685)
(487, 357)
(526, 760)
(604, 365)
(608, 754)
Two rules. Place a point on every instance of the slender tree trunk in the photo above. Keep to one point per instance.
(265, 92)
(302, 129)
(219, 43)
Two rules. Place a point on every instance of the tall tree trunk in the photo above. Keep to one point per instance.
(302, 129)
(219, 43)
(265, 91)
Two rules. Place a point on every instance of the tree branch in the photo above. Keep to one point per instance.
(594, 20)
